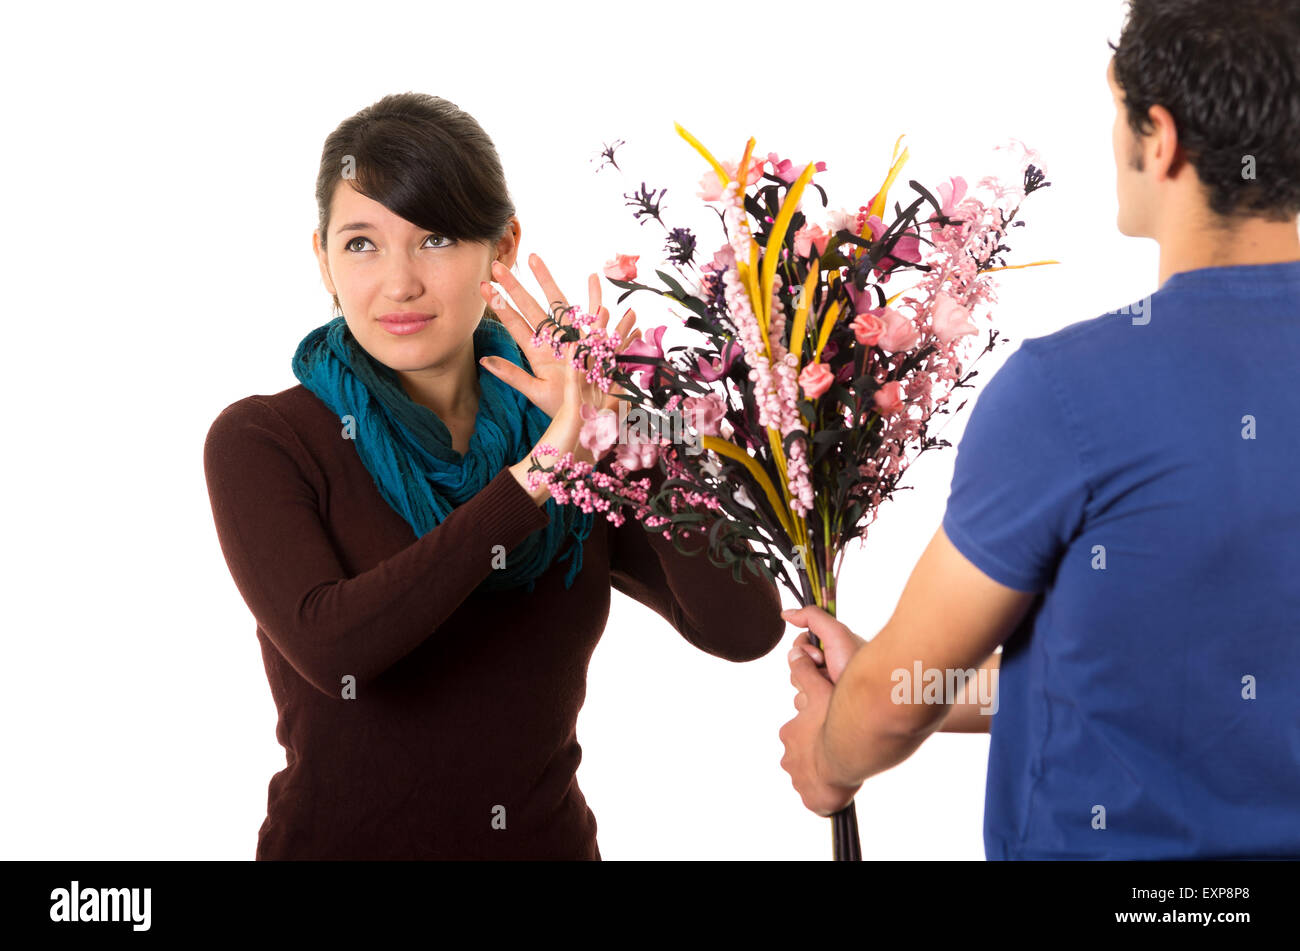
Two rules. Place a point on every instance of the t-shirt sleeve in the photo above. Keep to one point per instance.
(734, 620)
(261, 484)
(1019, 489)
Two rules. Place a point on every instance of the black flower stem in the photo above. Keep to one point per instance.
(845, 843)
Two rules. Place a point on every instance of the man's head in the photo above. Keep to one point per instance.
(1207, 124)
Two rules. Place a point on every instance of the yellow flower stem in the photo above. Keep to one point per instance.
(1016, 267)
(723, 177)
(801, 314)
(742, 172)
(729, 449)
(828, 324)
(776, 237)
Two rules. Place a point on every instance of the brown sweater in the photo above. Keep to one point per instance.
(421, 719)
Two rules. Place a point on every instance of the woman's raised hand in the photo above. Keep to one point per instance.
(545, 386)
(556, 386)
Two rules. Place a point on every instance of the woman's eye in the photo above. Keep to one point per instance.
(432, 237)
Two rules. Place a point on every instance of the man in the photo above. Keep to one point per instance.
(1123, 518)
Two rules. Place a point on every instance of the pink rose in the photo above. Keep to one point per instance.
(600, 431)
(621, 267)
(636, 453)
(808, 237)
(815, 379)
(899, 333)
(951, 320)
(705, 413)
(867, 328)
(889, 398)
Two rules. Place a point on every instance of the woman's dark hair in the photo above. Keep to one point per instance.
(423, 159)
(1229, 74)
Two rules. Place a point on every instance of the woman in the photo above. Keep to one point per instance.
(425, 618)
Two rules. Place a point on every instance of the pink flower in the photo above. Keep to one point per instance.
(815, 379)
(641, 348)
(621, 267)
(711, 188)
(710, 370)
(808, 237)
(899, 333)
(842, 220)
(906, 248)
(889, 398)
(951, 193)
(636, 453)
(951, 320)
(705, 413)
(868, 327)
(722, 259)
(600, 431)
(1028, 156)
(788, 173)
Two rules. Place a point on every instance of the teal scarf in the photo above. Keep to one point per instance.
(407, 448)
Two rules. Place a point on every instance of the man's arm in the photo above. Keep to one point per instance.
(964, 716)
(951, 616)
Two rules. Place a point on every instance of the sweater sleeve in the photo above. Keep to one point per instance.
(736, 621)
(326, 624)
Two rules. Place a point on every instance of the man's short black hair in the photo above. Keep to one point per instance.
(1229, 74)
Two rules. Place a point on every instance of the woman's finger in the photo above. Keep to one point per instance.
(552, 290)
(519, 328)
(593, 291)
(533, 312)
(624, 327)
(516, 376)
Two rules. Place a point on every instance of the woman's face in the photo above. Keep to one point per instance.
(383, 267)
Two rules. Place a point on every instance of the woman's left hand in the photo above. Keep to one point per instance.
(545, 386)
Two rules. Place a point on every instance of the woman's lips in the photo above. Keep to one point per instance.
(403, 324)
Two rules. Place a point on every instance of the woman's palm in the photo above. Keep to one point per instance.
(546, 385)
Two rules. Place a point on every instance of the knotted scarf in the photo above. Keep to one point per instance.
(407, 449)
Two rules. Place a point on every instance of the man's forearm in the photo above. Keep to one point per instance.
(863, 734)
(973, 713)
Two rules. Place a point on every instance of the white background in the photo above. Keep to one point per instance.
(159, 171)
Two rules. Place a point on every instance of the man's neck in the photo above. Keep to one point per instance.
(1192, 246)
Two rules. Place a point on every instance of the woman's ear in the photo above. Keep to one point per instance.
(323, 262)
(508, 246)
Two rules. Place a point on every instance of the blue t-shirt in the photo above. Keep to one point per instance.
(1140, 471)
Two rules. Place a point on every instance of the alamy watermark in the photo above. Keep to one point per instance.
(947, 686)
(1139, 309)
(649, 426)
(102, 904)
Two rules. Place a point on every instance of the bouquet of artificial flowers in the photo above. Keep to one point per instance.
(782, 429)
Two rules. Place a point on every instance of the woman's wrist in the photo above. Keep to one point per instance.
(520, 471)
